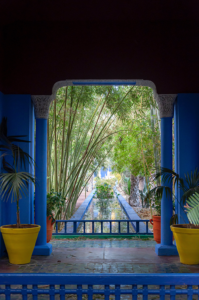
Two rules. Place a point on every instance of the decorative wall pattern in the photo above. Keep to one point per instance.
(41, 106)
(166, 105)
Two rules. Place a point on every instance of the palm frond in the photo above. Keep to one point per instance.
(168, 176)
(191, 185)
(7, 148)
(15, 184)
(192, 209)
(158, 192)
(7, 166)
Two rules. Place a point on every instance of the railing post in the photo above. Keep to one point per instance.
(65, 227)
(79, 223)
(84, 227)
(56, 227)
(110, 227)
(93, 228)
(127, 227)
(137, 226)
(74, 227)
(147, 227)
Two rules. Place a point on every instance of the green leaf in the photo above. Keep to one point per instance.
(192, 209)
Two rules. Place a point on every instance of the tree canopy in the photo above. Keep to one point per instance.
(90, 124)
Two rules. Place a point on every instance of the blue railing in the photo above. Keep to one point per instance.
(72, 227)
(130, 285)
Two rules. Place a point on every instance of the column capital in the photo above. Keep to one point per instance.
(165, 104)
(41, 104)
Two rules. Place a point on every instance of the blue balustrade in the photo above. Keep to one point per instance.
(78, 224)
(182, 286)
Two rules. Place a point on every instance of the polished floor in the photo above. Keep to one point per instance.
(101, 256)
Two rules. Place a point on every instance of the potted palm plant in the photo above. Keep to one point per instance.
(55, 205)
(186, 235)
(156, 219)
(19, 238)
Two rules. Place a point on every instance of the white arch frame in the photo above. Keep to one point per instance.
(136, 82)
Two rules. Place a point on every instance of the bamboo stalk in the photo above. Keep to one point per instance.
(63, 138)
(55, 148)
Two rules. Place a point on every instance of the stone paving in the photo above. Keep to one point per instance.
(101, 256)
(111, 243)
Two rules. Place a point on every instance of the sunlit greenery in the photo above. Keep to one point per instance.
(92, 125)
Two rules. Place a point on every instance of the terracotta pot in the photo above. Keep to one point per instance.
(156, 222)
(49, 226)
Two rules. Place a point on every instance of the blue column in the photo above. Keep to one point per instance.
(41, 248)
(166, 246)
(186, 143)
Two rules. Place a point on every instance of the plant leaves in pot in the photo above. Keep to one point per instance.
(19, 238)
(55, 203)
(187, 235)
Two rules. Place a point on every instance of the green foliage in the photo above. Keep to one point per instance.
(138, 150)
(14, 185)
(143, 196)
(189, 185)
(55, 204)
(90, 124)
(126, 184)
(156, 205)
(103, 205)
(192, 209)
(152, 196)
(82, 122)
(109, 181)
(13, 182)
(104, 191)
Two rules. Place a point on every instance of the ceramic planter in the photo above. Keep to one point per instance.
(20, 242)
(49, 227)
(156, 222)
(187, 243)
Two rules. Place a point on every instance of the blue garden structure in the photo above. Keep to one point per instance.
(22, 110)
(40, 49)
(119, 285)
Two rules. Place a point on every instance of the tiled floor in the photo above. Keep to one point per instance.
(112, 243)
(101, 256)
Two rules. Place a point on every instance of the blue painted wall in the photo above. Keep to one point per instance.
(186, 120)
(2, 247)
(20, 120)
(103, 172)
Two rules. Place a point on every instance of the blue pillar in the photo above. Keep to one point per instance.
(166, 246)
(186, 143)
(42, 247)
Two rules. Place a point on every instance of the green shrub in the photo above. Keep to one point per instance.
(104, 191)
(55, 203)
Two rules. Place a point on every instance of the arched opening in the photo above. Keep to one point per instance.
(107, 83)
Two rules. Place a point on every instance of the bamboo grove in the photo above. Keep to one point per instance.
(84, 126)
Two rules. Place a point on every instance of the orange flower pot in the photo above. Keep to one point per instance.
(49, 226)
(156, 222)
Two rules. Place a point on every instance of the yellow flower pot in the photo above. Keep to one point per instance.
(187, 242)
(20, 242)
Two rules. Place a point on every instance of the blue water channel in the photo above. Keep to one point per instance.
(105, 209)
